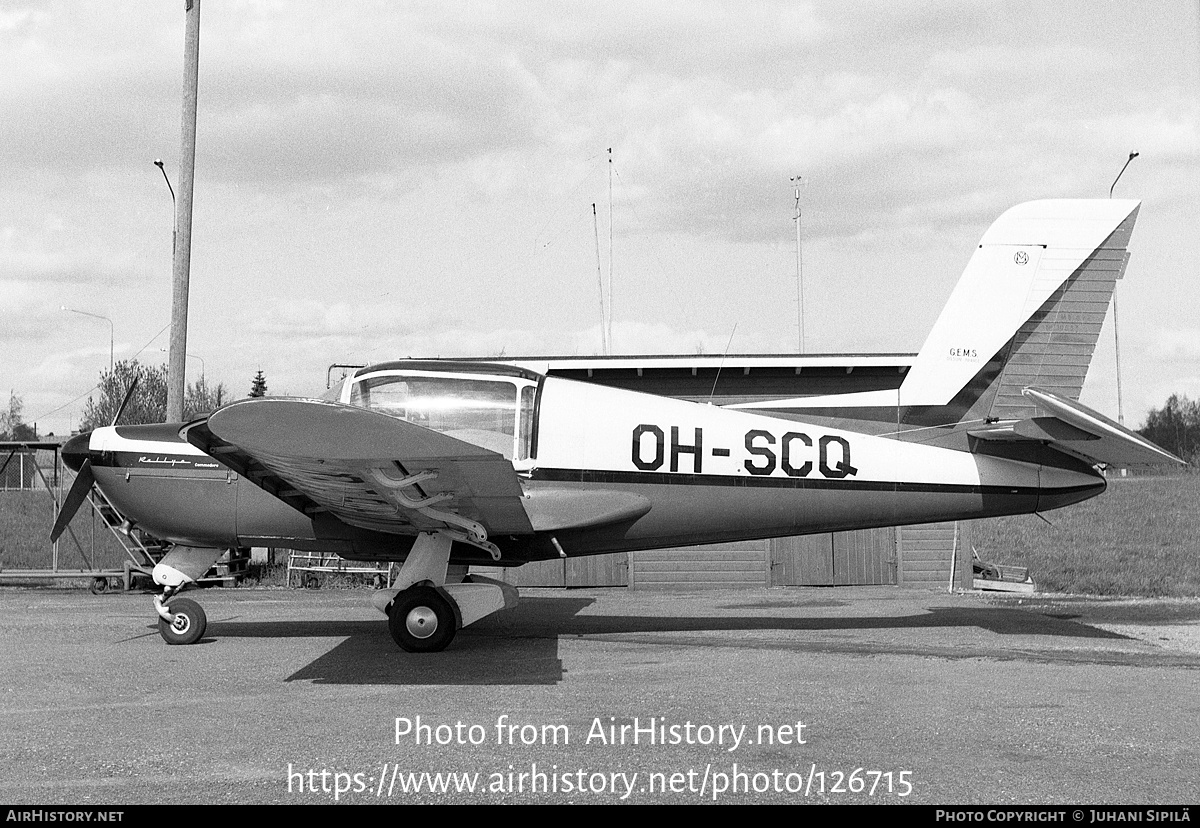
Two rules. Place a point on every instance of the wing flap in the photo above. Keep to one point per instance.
(1077, 430)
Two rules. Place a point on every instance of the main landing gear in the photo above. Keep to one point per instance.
(424, 610)
(429, 602)
(422, 620)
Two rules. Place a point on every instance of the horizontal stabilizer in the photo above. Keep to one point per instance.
(1077, 430)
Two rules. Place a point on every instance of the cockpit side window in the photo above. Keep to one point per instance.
(528, 410)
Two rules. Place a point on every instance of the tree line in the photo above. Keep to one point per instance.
(149, 401)
(148, 404)
(12, 423)
(1175, 427)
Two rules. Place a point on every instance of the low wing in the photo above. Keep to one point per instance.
(1079, 431)
(369, 469)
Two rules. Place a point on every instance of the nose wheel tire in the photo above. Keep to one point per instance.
(188, 624)
(421, 620)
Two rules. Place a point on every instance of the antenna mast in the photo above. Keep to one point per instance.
(799, 273)
(600, 281)
(610, 247)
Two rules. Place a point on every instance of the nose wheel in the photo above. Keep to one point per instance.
(187, 623)
(421, 620)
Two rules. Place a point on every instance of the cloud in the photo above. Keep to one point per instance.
(1175, 344)
(395, 179)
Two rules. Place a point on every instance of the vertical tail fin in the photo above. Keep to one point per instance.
(1027, 310)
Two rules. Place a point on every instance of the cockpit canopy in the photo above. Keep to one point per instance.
(491, 406)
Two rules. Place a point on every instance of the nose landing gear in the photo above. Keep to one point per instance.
(181, 620)
(187, 623)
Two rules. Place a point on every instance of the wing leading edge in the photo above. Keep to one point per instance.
(378, 472)
(368, 469)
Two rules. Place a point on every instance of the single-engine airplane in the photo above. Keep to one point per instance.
(441, 464)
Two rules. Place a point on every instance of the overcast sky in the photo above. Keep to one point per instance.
(382, 180)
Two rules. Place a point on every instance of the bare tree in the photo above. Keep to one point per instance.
(12, 425)
(148, 404)
(202, 398)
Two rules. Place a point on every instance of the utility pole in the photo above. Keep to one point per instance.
(181, 270)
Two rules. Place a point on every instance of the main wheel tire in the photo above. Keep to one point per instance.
(422, 621)
(99, 586)
(189, 623)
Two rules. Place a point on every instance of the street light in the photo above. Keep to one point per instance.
(174, 218)
(111, 331)
(1116, 332)
(1132, 156)
(193, 356)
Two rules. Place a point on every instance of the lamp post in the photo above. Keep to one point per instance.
(1116, 331)
(193, 356)
(111, 331)
(174, 211)
(1132, 156)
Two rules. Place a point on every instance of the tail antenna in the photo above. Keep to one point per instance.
(713, 392)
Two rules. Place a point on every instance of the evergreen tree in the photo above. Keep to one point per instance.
(258, 386)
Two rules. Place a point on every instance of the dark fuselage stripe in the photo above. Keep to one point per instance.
(748, 481)
(182, 462)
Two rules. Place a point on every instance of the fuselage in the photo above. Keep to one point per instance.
(707, 474)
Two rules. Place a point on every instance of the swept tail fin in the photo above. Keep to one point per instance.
(1030, 303)
(1027, 310)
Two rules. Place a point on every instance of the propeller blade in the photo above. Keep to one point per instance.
(75, 497)
(125, 402)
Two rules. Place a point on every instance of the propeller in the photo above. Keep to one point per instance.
(125, 402)
(75, 497)
(84, 479)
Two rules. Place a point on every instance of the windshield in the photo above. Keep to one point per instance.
(478, 411)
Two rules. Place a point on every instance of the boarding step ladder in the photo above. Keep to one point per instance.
(144, 550)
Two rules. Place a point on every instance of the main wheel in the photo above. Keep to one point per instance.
(188, 625)
(421, 620)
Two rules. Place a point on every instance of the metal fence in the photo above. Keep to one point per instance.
(29, 466)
